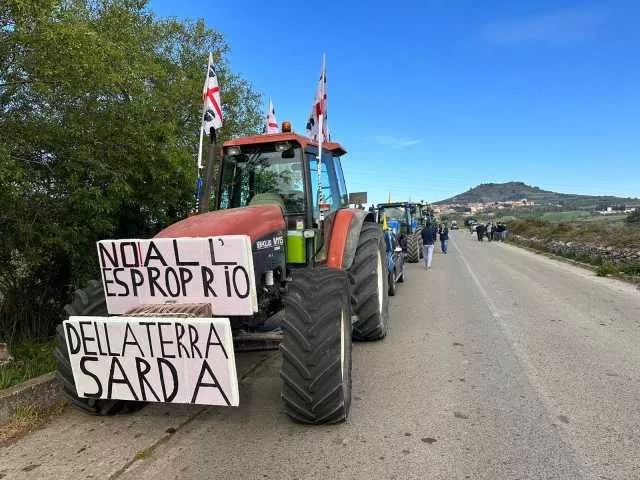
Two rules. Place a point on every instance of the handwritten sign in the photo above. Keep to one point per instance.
(214, 270)
(154, 359)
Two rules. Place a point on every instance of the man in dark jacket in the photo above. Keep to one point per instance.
(444, 237)
(429, 233)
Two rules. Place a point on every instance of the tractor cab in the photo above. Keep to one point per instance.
(402, 217)
(281, 169)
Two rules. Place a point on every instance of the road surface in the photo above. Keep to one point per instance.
(501, 364)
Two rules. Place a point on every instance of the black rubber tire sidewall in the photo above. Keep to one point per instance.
(86, 301)
(373, 319)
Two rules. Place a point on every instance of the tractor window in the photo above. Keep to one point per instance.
(329, 189)
(263, 177)
(395, 213)
(344, 196)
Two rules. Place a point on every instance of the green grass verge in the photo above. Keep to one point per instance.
(30, 359)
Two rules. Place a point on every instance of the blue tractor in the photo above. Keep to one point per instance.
(405, 220)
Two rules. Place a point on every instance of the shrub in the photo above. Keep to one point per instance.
(631, 268)
(634, 217)
(606, 269)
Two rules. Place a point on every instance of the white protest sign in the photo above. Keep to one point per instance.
(214, 270)
(154, 359)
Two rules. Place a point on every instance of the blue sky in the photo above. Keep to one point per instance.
(433, 97)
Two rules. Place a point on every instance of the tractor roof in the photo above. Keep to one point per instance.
(335, 148)
(397, 204)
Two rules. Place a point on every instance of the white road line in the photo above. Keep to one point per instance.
(580, 461)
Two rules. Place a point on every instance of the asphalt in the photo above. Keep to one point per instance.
(500, 364)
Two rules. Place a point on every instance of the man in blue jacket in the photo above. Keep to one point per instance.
(429, 233)
(444, 237)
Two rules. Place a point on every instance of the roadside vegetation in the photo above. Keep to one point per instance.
(30, 359)
(27, 418)
(100, 105)
(611, 243)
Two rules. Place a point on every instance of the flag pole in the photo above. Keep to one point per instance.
(321, 136)
(211, 95)
(202, 116)
(208, 178)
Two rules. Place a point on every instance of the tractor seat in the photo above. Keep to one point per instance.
(268, 198)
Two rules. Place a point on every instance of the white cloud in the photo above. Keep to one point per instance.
(558, 27)
(395, 142)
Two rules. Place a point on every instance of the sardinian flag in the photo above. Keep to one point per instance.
(272, 125)
(318, 109)
(212, 112)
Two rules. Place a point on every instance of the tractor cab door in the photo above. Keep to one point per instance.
(334, 192)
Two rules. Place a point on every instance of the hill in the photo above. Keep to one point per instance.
(504, 192)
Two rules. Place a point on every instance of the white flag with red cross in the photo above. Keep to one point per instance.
(318, 110)
(272, 124)
(212, 112)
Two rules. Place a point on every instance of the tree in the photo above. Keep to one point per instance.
(99, 119)
(634, 217)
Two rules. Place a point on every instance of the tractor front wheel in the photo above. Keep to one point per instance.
(87, 301)
(316, 346)
(371, 290)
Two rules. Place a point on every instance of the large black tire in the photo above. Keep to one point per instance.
(316, 346)
(87, 301)
(413, 248)
(370, 293)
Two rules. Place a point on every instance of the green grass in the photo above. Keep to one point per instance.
(570, 216)
(30, 359)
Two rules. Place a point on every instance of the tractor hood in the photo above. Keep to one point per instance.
(255, 221)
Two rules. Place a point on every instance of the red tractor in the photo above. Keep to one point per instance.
(269, 261)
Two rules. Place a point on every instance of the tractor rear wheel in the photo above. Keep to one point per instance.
(316, 346)
(87, 301)
(413, 248)
(371, 295)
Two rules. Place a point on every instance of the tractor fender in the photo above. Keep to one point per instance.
(345, 233)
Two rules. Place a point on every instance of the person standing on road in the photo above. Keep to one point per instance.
(429, 233)
(480, 231)
(489, 231)
(444, 237)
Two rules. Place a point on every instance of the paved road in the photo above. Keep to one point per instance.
(501, 364)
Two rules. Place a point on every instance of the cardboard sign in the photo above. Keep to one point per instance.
(214, 270)
(154, 359)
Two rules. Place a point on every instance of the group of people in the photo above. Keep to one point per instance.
(430, 234)
(432, 231)
(493, 231)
